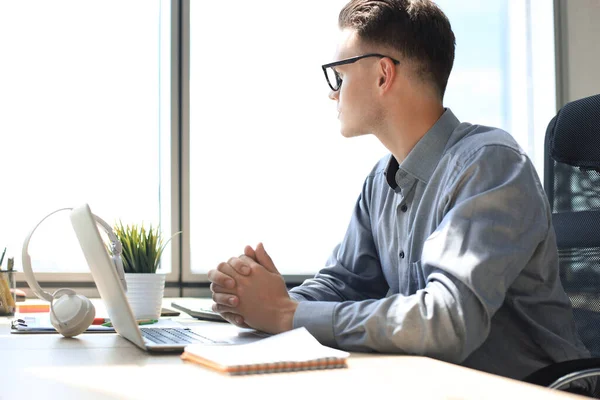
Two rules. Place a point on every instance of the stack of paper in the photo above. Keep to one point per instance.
(40, 323)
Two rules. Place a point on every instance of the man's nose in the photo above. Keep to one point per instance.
(334, 95)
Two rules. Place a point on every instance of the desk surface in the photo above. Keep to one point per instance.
(106, 366)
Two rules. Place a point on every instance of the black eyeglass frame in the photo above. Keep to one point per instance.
(338, 79)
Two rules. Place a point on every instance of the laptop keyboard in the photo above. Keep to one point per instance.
(174, 336)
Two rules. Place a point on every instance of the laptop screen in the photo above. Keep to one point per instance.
(105, 274)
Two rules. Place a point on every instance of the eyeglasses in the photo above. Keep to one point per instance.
(334, 80)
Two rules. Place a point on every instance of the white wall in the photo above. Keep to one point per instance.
(578, 49)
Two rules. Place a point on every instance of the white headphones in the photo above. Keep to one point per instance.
(71, 313)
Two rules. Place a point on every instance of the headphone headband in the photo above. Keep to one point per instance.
(116, 249)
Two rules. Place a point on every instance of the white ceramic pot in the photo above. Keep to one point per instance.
(145, 293)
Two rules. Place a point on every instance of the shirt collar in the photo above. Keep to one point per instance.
(424, 157)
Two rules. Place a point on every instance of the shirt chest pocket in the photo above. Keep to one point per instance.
(410, 278)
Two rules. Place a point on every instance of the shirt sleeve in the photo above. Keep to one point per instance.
(492, 220)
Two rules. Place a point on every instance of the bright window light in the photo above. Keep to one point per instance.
(82, 104)
(267, 161)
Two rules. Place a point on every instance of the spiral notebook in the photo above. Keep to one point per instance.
(295, 350)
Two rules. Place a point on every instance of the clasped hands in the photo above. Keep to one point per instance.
(249, 291)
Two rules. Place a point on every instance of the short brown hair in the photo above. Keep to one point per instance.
(418, 29)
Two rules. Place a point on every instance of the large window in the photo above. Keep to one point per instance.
(504, 73)
(267, 162)
(253, 153)
(85, 117)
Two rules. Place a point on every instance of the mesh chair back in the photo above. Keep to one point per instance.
(572, 184)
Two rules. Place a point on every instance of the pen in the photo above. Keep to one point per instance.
(139, 322)
(2, 258)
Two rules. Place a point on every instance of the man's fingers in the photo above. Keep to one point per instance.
(264, 259)
(225, 299)
(230, 315)
(220, 289)
(222, 276)
(249, 252)
(238, 265)
(223, 308)
(250, 262)
(235, 319)
(259, 256)
(253, 264)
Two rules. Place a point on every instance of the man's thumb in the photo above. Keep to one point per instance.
(249, 252)
(264, 259)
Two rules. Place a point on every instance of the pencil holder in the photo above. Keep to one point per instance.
(8, 294)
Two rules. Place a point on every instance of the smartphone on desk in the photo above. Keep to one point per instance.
(198, 308)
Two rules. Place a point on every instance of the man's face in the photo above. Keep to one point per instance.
(356, 100)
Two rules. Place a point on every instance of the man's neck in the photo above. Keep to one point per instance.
(402, 129)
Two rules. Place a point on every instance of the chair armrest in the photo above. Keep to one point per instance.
(548, 376)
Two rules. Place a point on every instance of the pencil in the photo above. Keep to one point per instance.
(3, 302)
(2, 258)
(8, 303)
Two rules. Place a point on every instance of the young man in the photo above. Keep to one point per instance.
(450, 252)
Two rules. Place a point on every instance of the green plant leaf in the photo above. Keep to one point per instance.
(142, 248)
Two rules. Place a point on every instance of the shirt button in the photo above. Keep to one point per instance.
(404, 207)
(401, 254)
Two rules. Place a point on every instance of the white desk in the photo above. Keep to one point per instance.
(106, 366)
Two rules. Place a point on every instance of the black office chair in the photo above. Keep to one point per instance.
(572, 184)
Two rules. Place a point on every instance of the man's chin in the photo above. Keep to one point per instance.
(349, 133)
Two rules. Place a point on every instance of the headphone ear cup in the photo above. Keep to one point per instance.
(71, 313)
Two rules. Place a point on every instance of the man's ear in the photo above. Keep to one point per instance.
(387, 74)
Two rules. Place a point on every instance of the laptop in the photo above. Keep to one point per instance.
(111, 291)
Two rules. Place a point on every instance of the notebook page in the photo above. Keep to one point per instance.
(297, 345)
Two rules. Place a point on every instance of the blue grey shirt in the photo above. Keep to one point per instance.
(450, 254)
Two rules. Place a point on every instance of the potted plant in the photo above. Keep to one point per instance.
(141, 256)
